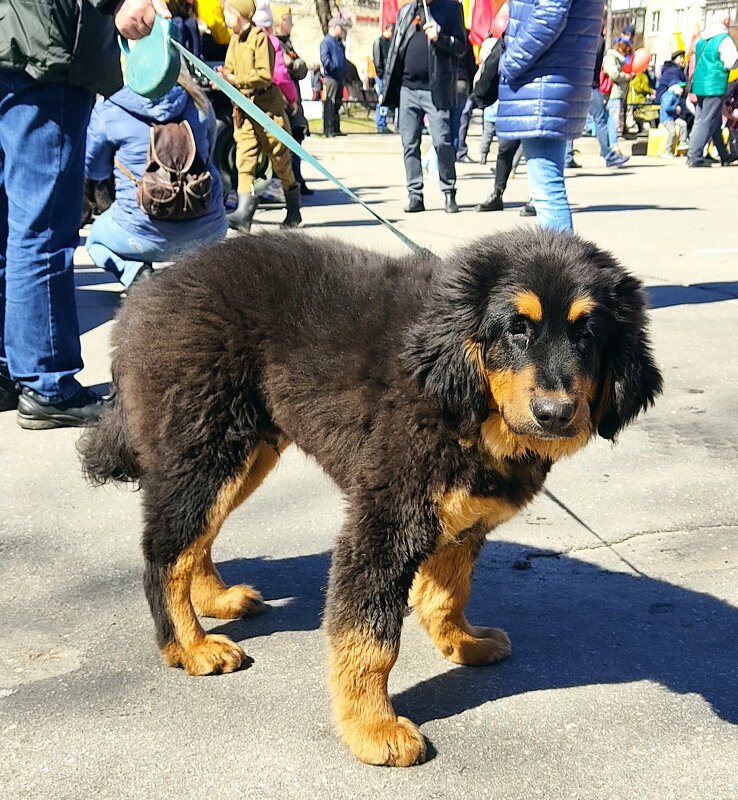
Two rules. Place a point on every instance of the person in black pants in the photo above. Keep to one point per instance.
(335, 72)
(503, 168)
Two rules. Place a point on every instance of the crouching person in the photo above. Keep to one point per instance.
(140, 228)
(249, 66)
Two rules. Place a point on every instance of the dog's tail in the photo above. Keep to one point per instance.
(105, 449)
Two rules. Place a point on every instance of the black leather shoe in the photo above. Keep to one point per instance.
(528, 210)
(465, 159)
(450, 206)
(8, 393)
(416, 204)
(35, 413)
(573, 165)
(492, 203)
(726, 162)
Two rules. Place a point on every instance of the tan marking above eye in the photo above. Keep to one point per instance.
(580, 307)
(528, 304)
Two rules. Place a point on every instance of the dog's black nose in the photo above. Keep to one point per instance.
(553, 415)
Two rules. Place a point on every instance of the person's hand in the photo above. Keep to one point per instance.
(431, 31)
(293, 108)
(735, 113)
(227, 75)
(135, 18)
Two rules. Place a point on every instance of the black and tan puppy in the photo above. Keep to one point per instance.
(437, 393)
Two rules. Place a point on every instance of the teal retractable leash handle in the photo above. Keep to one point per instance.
(152, 66)
(259, 116)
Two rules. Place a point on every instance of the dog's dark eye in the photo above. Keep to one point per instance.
(520, 331)
(583, 333)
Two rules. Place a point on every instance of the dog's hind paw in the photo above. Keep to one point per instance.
(237, 601)
(212, 655)
(390, 743)
(483, 646)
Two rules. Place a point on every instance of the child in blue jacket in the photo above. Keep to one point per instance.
(670, 110)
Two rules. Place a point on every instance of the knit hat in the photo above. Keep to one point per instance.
(337, 21)
(245, 8)
(677, 53)
(280, 11)
(263, 16)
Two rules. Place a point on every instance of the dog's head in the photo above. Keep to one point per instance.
(534, 341)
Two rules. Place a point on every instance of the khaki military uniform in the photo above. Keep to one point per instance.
(250, 59)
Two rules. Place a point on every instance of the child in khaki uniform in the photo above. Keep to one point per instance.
(249, 65)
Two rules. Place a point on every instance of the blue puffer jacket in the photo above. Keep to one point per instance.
(118, 129)
(546, 69)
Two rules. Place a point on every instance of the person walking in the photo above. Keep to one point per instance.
(545, 91)
(124, 239)
(297, 69)
(380, 49)
(54, 56)
(612, 66)
(420, 77)
(612, 157)
(335, 71)
(715, 55)
(249, 66)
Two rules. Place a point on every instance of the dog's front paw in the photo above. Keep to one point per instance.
(483, 646)
(213, 654)
(388, 743)
(237, 601)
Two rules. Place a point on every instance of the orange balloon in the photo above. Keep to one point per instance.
(641, 60)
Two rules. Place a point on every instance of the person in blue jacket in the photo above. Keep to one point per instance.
(124, 239)
(545, 91)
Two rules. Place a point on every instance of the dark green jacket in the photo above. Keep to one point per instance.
(72, 41)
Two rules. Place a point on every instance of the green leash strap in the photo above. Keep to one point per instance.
(262, 119)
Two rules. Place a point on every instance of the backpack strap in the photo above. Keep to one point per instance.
(127, 172)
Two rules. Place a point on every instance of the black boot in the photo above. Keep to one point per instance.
(492, 203)
(450, 206)
(292, 200)
(241, 218)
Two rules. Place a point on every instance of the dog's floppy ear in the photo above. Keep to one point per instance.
(439, 355)
(629, 378)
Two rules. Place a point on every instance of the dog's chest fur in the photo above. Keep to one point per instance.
(488, 492)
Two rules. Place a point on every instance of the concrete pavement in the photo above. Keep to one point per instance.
(617, 587)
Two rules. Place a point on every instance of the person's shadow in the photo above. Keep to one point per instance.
(571, 624)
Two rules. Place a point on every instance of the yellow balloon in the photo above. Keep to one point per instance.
(733, 75)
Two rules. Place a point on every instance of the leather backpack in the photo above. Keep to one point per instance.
(175, 184)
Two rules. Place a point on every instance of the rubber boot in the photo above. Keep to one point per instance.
(241, 218)
(292, 200)
(492, 203)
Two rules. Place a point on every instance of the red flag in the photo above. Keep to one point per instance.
(389, 13)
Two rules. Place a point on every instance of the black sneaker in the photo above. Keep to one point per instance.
(35, 413)
(8, 393)
(528, 210)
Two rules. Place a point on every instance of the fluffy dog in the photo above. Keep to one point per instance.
(437, 393)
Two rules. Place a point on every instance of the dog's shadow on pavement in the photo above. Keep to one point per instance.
(571, 624)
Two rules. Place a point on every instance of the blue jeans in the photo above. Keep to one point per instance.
(42, 150)
(614, 112)
(600, 118)
(545, 162)
(381, 112)
(123, 253)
